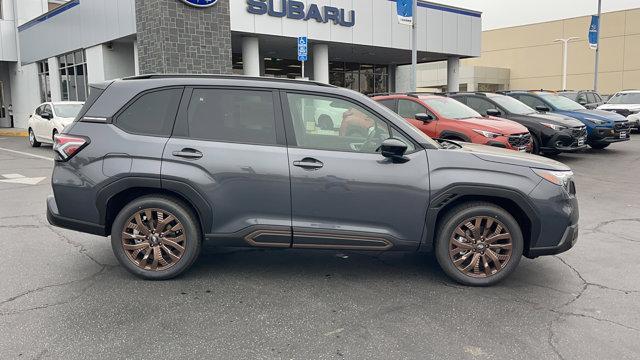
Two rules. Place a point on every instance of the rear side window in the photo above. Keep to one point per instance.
(151, 114)
(242, 116)
(480, 105)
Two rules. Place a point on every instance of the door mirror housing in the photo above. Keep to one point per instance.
(424, 117)
(46, 115)
(493, 112)
(542, 108)
(393, 149)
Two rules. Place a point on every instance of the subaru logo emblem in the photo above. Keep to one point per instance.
(200, 3)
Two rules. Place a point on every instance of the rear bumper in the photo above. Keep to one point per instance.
(55, 219)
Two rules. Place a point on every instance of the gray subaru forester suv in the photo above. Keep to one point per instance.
(162, 163)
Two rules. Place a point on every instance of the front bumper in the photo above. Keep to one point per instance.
(55, 219)
(609, 135)
(568, 140)
(569, 239)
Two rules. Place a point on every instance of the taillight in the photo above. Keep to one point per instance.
(66, 146)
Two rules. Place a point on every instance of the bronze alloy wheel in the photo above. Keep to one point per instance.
(154, 239)
(480, 247)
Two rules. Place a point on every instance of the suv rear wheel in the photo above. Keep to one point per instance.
(479, 244)
(156, 237)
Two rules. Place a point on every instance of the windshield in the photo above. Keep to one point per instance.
(450, 108)
(67, 110)
(561, 102)
(512, 105)
(625, 98)
(571, 95)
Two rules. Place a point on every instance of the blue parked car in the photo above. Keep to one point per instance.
(603, 127)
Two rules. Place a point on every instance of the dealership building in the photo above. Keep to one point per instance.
(52, 50)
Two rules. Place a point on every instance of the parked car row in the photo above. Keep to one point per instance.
(541, 122)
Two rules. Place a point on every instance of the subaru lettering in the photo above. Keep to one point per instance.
(297, 10)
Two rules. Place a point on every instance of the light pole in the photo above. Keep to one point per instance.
(595, 74)
(565, 46)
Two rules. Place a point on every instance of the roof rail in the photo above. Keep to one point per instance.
(223, 76)
(480, 93)
(418, 93)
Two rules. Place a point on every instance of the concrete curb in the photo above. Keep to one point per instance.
(16, 133)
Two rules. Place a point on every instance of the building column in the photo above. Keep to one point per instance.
(95, 64)
(136, 59)
(321, 63)
(54, 79)
(453, 74)
(391, 71)
(251, 56)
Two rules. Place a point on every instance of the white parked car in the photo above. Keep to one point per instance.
(627, 104)
(49, 119)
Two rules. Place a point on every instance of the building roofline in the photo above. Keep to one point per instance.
(48, 15)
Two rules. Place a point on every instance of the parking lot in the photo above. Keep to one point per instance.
(62, 294)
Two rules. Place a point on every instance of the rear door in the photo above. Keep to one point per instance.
(344, 194)
(228, 145)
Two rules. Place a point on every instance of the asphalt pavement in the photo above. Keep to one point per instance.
(63, 295)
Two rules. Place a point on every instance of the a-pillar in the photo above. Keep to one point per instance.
(453, 74)
(321, 63)
(251, 56)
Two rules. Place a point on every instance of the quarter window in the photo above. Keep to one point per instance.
(151, 114)
(242, 116)
(408, 109)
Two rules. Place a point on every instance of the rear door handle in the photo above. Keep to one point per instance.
(309, 163)
(188, 153)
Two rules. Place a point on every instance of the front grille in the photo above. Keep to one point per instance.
(580, 131)
(623, 112)
(622, 126)
(519, 140)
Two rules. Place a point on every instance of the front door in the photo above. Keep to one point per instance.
(344, 194)
(229, 143)
(408, 110)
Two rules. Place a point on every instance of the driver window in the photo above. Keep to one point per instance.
(326, 123)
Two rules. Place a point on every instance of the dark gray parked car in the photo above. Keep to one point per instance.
(162, 163)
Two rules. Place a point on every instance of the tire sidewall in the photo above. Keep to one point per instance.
(454, 219)
(182, 213)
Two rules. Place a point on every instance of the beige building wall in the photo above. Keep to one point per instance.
(535, 59)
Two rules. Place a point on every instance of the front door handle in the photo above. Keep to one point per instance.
(309, 163)
(188, 153)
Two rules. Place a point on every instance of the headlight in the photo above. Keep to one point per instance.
(596, 121)
(488, 134)
(560, 178)
(554, 126)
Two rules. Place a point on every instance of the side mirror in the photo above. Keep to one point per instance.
(542, 108)
(493, 112)
(393, 149)
(46, 115)
(424, 117)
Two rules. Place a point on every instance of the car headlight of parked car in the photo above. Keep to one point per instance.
(596, 121)
(560, 178)
(554, 126)
(488, 134)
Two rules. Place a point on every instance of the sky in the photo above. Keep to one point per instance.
(506, 13)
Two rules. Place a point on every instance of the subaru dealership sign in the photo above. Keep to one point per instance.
(200, 3)
(297, 10)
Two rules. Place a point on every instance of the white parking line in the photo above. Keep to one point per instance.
(26, 153)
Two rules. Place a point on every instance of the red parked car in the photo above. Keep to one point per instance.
(447, 118)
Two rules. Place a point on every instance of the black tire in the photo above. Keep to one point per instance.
(599, 146)
(191, 230)
(32, 139)
(459, 215)
(53, 136)
(536, 145)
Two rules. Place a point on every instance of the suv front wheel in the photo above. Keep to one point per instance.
(479, 244)
(156, 237)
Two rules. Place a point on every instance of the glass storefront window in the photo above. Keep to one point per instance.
(43, 79)
(73, 79)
